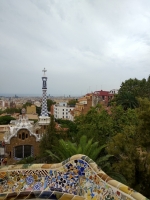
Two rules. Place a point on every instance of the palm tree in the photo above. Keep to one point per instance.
(127, 100)
(66, 149)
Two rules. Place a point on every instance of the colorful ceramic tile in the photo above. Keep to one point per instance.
(76, 178)
(67, 197)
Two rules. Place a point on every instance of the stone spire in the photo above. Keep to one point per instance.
(44, 119)
(44, 111)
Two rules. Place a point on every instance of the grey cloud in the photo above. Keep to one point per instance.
(82, 44)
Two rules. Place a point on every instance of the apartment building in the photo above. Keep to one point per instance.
(62, 111)
(92, 99)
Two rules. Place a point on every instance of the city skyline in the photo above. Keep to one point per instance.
(84, 45)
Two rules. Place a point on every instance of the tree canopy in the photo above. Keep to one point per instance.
(130, 91)
(72, 102)
(6, 119)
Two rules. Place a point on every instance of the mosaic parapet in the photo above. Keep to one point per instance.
(76, 178)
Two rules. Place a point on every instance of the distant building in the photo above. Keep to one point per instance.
(2, 104)
(83, 105)
(12, 104)
(37, 103)
(104, 96)
(61, 111)
(31, 109)
(92, 99)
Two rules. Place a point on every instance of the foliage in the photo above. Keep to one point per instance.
(26, 160)
(130, 145)
(50, 103)
(122, 118)
(96, 124)
(67, 124)
(72, 102)
(143, 131)
(26, 104)
(136, 87)
(123, 133)
(130, 90)
(127, 100)
(38, 110)
(11, 111)
(6, 119)
(66, 149)
(50, 138)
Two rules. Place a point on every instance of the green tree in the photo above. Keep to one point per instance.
(72, 127)
(6, 119)
(50, 103)
(148, 87)
(136, 87)
(121, 118)
(72, 102)
(11, 110)
(96, 124)
(26, 104)
(38, 110)
(143, 131)
(130, 90)
(130, 145)
(66, 149)
(50, 139)
(127, 100)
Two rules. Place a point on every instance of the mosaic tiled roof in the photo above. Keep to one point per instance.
(21, 123)
(76, 178)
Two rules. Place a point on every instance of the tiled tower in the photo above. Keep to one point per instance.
(44, 119)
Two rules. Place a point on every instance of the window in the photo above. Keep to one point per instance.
(63, 109)
(66, 109)
(23, 136)
(66, 113)
(27, 150)
(23, 151)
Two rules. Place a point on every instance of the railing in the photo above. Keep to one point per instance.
(76, 178)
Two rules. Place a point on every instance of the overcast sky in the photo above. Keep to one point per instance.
(85, 45)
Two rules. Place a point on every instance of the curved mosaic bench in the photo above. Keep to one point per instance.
(76, 178)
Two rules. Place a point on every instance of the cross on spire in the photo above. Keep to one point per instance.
(44, 70)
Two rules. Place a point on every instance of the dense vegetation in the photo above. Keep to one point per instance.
(5, 119)
(72, 102)
(118, 140)
(10, 111)
(121, 138)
